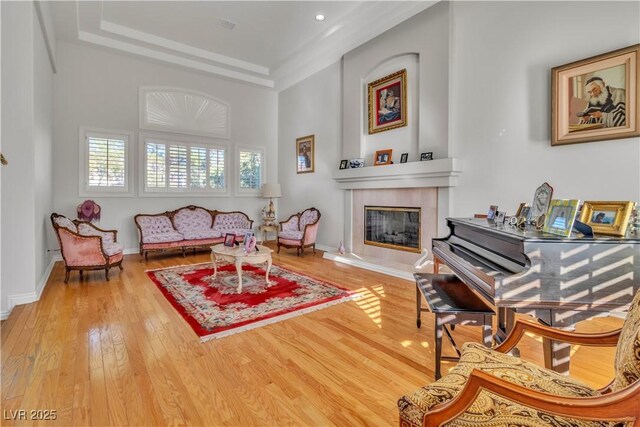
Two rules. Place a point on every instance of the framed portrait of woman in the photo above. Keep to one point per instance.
(388, 102)
(305, 154)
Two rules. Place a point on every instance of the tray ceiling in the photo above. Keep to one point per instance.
(273, 44)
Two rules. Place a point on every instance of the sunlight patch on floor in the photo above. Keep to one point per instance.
(370, 304)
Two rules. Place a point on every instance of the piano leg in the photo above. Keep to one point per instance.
(418, 306)
(557, 354)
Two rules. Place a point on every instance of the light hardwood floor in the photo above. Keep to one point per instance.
(117, 353)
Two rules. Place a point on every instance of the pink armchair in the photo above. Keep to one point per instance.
(300, 231)
(85, 246)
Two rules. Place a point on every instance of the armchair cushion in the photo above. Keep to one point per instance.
(290, 235)
(112, 248)
(489, 409)
(627, 362)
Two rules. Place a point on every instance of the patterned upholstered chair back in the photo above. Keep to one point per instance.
(310, 216)
(627, 363)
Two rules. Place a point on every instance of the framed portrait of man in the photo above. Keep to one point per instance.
(596, 98)
(388, 102)
(305, 154)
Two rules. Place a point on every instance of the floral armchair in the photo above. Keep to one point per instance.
(300, 231)
(85, 246)
(491, 388)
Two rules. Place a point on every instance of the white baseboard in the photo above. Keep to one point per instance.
(29, 297)
(325, 248)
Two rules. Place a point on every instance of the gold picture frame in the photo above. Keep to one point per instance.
(607, 217)
(596, 98)
(387, 102)
(305, 154)
(382, 157)
(559, 217)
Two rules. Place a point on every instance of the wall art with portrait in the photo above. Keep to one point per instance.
(610, 218)
(388, 102)
(596, 98)
(305, 154)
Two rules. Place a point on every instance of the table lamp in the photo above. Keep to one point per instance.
(270, 191)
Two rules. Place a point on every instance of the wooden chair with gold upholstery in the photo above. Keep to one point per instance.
(490, 388)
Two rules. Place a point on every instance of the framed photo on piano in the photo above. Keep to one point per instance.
(560, 216)
(611, 218)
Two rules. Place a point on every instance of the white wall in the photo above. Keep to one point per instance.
(98, 88)
(43, 151)
(26, 137)
(312, 107)
(427, 36)
(502, 56)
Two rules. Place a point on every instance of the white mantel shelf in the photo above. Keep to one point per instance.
(432, 173)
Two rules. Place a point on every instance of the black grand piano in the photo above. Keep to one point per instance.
(558, 280)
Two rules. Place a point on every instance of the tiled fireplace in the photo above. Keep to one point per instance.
(415, 210)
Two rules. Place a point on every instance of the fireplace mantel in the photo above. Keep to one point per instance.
(433, 173)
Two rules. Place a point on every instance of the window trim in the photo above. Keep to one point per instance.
(240, 192)
(84, 190)
(187, 141)
(143, 120)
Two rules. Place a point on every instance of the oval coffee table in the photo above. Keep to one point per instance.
(238, 256)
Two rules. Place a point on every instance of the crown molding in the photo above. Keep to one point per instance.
(88, 37)
(130, 33)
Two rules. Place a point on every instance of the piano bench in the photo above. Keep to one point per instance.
(453, 303)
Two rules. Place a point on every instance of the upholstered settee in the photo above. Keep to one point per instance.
(86, 247)
(189, 227)
(300, 231)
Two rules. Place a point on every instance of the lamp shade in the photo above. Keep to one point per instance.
(271, 190)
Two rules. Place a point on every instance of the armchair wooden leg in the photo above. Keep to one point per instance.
(278, 248)
(298, 251)
(120, 267)
(81, 274)
(146, 255)
(66, 276)
(106, 274)
(314, 248)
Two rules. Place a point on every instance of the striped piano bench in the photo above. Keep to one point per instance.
(453, 303)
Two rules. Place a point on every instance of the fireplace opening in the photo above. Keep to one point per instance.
(392, 227)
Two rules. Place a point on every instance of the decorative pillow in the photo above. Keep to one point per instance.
(628, 351)
(154, 224)
(189, 221)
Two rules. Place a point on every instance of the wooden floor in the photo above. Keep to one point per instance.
(117, 353)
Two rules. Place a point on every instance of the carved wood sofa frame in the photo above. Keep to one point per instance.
(164, 246)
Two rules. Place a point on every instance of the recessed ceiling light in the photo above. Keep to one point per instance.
(319, 17)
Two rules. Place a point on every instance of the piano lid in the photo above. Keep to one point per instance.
(531, 234)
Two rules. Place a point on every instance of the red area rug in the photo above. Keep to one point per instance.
(213, 308)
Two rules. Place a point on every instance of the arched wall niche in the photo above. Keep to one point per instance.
(403, 139)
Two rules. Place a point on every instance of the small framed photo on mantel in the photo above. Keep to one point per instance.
(404, 157)
(426, 156)
(344, 164)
